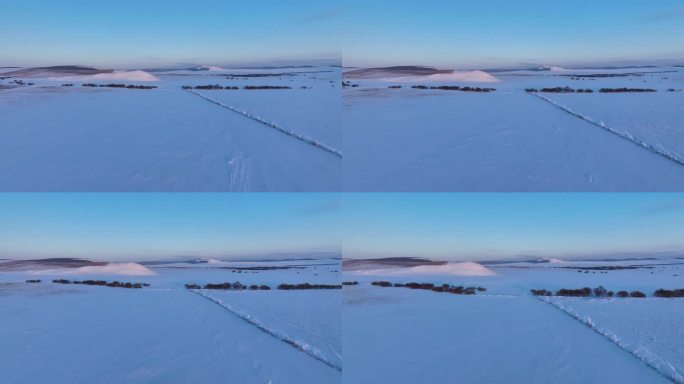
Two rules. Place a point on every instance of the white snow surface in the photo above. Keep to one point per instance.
(165, 333)
(416, 140)
(455, 76)
(127, 269)
(505, 335)
(466, 268)
(137, 76)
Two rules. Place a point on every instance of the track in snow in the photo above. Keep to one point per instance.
(623, 135)
(649, 359)
(296, 135)
(284, 338)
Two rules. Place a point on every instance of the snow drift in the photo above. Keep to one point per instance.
(467, 268)
(455, 76)
(116, 76)
(128, 269)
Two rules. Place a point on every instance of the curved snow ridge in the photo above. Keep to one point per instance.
(137, 75)
(625, 135)
(300, 345)
(455, 76)
(466, 268)
(271, 124)
(127, 269)
(652, 360)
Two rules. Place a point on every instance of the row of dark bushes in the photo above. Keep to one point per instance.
(346, 84)
(127, 86)
(246, 87)
(350, 283)
(602, 90)
(103, 283)
(602, 292)
(459, 290)
(288, 287)
(454, 88)
(33, 281)
(236, 286)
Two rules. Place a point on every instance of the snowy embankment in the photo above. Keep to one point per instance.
(629, 135)
(274, 125)
(643, 328)
(308, 321)
(467, 268)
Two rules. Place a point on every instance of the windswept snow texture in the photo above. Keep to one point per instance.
(55, 138)
(505, 335)
(406, 139)
(165, 333)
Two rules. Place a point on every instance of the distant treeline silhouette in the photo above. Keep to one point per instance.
(115, 284)
(236, 286)
(33, 281)
(602, 90)
(596, 292)
(350, 283)
(246, 87)
(127, 86)
(458, 290)
(288, 287)
(454, 88)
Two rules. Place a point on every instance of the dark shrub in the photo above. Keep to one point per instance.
(623, 294)
(264, 287)
(61, 281)
(308, 286)
(382, 283)
(419, 87)
(669, 293)
(600, 291)
(67, 85)
(350, 283)
(394, 87)
(637, 294)
(582, 292)
(256, 87)
(33, 281)
(541, 292)
(623, 90)
(192, 286)
(531, 90)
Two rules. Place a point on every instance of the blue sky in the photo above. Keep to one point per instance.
(495, 33)
(149, 33)
(125, 226)
(477, 226)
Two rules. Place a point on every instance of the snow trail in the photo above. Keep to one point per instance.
(288, 132)
(624, 135)
(303, 347)
(653, 361)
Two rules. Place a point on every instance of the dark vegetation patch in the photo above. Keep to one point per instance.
(454, 88)
(394, 87)
(346, 84)
(67, 85)
(126, 86)
(115, 284)
(211, 87)
(350, 283)
(236, 286)
(625, 90)
(258, 87)
(33, 281)
(599, 291)
(458, 290)
(669, 293)
(288, 287)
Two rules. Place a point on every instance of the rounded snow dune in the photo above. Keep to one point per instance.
(455, 76)
(127, 269)
(466, 268)
(137, 75)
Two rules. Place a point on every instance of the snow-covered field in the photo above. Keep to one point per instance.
(506, 335)
(406, 139)
(166, 333)
(55, 138)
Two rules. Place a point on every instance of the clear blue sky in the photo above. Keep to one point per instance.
(126, 226)
(476, 226)
(144, 33)
(486, 33)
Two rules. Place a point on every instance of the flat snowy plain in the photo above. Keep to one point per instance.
(406, 139)
(506, 335)
(55, 138)
(165, 333)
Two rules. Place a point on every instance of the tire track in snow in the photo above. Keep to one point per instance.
(624, 135)
(303, 347)
(650, 359)
(270, 124)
